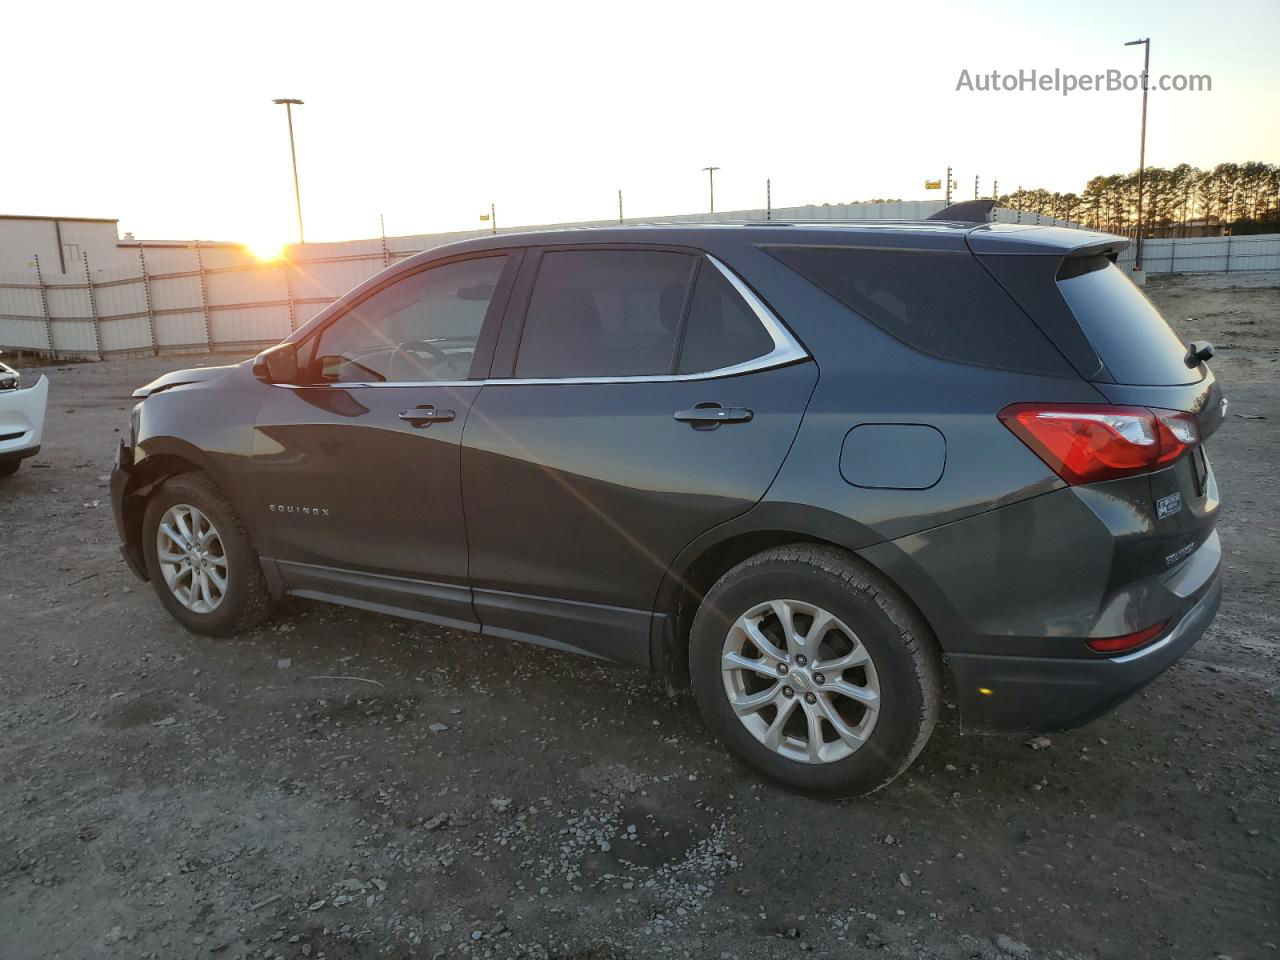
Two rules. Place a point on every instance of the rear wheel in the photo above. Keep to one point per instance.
(815, 671)
(200, 559)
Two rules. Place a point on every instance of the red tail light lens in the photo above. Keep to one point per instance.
(1088, 442)
(1130, 641)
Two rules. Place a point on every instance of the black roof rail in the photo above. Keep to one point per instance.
(967, 211)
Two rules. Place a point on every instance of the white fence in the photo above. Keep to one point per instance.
(1206, 254)
(205, 298)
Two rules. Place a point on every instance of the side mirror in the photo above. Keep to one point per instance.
(278, 364)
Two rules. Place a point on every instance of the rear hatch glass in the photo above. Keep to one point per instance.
(1132, 338)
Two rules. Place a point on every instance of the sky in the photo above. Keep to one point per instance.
(160, 114)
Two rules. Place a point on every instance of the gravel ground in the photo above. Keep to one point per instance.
(342, 785)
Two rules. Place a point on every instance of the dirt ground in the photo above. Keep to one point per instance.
(343, 785)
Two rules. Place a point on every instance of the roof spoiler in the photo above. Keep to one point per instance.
(969, 211)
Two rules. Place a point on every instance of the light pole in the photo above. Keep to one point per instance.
(1142, 143)
(297, 194)
(711, 180)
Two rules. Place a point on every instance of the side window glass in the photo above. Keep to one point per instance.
(940, 303)
(603, 313)
(419, 329)
(722, 330)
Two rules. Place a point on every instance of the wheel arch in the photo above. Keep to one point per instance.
(714, 554)
(156, 461)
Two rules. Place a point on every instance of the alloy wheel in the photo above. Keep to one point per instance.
(800, 681)
(192, 558)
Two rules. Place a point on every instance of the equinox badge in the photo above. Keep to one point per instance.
(290, 508)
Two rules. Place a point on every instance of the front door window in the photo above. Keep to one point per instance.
(421, 329)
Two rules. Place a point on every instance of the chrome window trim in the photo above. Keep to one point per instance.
(786, 349)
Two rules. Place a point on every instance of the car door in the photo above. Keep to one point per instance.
(357, 465)
(640, 397)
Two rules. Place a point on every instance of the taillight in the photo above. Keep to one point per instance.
(1130, 641)
(1088, 442)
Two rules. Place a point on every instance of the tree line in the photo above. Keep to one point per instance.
(1238, 197)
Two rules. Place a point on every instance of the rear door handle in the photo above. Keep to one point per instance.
(425, 415)
(706, 415)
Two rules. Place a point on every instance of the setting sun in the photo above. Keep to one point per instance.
(265, 249)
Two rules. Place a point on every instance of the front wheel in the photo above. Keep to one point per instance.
(200, 559)
(815, 671)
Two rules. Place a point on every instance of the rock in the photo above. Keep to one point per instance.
(904, 880)
(284, 663)
(437, 727)
(500, 804)
(166, 722)
(115, 935)
(1039, 743)
(1011, 947)
(436, 822)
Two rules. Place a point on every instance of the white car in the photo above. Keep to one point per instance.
(21, 418)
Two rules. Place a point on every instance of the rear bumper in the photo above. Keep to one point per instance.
(1052, 693)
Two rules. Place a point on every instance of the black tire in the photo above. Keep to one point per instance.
(904, 652)
(247, 602)
(9, 466)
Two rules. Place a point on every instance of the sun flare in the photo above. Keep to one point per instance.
(265, 250)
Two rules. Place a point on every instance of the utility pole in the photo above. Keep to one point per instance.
(289, 104)
(975, 188)
(619, 206)
(493, 219)
(948, 199)
(1142, 142)
(768, 199)
(711, 179)
(995, 189)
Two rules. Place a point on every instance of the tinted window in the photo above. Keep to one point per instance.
(1134, 341)
(421, 328)
(603, 313)
(721, 329)
(944, 304)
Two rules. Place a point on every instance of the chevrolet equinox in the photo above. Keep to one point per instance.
(812, 470)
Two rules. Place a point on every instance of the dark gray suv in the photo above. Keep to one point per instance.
(817, 471)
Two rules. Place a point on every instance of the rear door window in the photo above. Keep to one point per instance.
(1132, 338)
(721, 330)
(604, 313)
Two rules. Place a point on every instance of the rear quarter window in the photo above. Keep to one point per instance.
(1132, 338)
(940, 303)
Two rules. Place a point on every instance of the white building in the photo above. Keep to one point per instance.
(63, 243)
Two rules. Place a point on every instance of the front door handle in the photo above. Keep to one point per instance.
(710, 415)
(425, 415)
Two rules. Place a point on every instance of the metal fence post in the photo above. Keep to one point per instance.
(44, 308)
(1173, 243)
(93, 307)
(1228, 269)
(204, 299)
(146, 295)
(287, 266)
